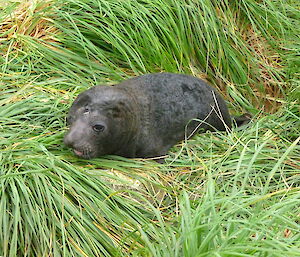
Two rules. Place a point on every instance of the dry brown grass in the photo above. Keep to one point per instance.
(268, 60)
(29, 18)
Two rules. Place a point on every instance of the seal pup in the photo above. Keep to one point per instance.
(143, 116)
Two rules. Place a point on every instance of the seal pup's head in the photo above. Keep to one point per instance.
(100, 121)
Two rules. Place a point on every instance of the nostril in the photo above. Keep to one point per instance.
(67, 140)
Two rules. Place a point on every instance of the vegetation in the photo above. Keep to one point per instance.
(218, 194)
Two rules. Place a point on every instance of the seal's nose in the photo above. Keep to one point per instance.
(68, 140)
(76, 134)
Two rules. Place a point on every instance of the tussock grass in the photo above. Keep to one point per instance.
(218, 194)
(240, 43)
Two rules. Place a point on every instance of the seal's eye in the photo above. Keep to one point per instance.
(98, 128)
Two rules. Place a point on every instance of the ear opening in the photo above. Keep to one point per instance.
(116, 111)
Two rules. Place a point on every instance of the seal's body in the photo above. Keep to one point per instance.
(143, 116)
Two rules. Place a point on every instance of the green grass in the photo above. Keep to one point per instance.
(218, 194)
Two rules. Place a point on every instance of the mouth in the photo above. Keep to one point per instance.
(82, 154)
(78, 153)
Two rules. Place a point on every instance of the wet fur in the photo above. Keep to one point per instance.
(144, 116)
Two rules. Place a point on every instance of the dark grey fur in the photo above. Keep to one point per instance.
(143, 116)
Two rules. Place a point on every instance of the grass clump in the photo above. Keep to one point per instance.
(218, 194)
